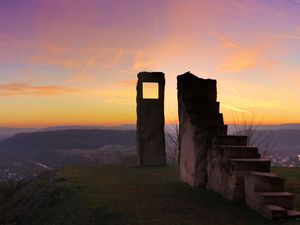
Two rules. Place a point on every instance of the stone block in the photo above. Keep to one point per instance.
(273, 211)
(282, 199)
(150, 122)
(199, 122)
(231, 140)
(261, 182)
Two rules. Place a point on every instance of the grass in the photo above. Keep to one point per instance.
(8, 189)
(120, 195)
(292, 176)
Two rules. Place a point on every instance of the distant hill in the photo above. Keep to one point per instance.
(121, 127)
(6, 132)
(283, 138)
(281, 142)
(65, 145)
(276, 143)
(53, 148)
(293, 126)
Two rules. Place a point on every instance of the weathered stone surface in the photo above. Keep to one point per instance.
(282, 199)
(231, 140)
(261, 182)
(273, 211)
(208, 156)
(222, 177)
(150, 122)
(293, 214)
(199, 122)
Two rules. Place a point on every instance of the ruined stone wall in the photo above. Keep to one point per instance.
(199, 122)
(150, 122)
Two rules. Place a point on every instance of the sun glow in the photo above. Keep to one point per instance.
(79, 65)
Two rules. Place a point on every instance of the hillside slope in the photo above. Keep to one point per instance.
(59, 148)
(26, 143)
(126, 195)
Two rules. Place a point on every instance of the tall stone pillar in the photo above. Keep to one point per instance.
(150, 121)
(199, 122)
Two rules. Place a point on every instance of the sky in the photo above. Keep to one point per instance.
(74, 62)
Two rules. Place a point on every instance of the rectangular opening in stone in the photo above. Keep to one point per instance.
(150, 90)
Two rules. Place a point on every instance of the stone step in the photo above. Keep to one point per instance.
(261, 165)
(237, 197)
(231, 140)
(273, 211)
(261, 182)
(217, 129)
(202, 107)
(293, 214)
(221, 129)
(282, 199)
(207, 119)
(237, 152)
(239, 179)
(264, 182)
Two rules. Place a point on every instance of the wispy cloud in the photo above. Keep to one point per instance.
(226, 42)
(236, 109)
(16, 89)
(127, 83)
(281, 36)
(232, 88)
(143, 60)
(243, 59)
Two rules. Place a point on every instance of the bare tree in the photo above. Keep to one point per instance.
(172, 139)
(127, 158)
(97, 156)
(247, 125)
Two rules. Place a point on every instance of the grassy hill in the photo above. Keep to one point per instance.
(122, 195)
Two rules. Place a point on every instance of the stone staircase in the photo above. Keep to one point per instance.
(223, 163)
(238, 172)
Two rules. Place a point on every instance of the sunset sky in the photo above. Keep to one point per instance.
(66, 62)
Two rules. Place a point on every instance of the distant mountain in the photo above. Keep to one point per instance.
(277, 143)
(232, 128)
(295, 126)
(285, 138)
(281, 142)
(121, 127)
(57, 146)
(51, 147)
(6, 132)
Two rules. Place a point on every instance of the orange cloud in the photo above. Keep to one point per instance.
(127, 83)
(15, 89)
(243, 59)
(143, 60)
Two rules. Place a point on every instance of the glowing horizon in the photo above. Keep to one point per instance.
(66, 62)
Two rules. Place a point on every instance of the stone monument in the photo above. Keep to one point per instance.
(199, 122)
(150, 120)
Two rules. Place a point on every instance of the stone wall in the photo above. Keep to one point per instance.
(199, 122)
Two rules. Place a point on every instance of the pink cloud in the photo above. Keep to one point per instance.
(17, 89)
